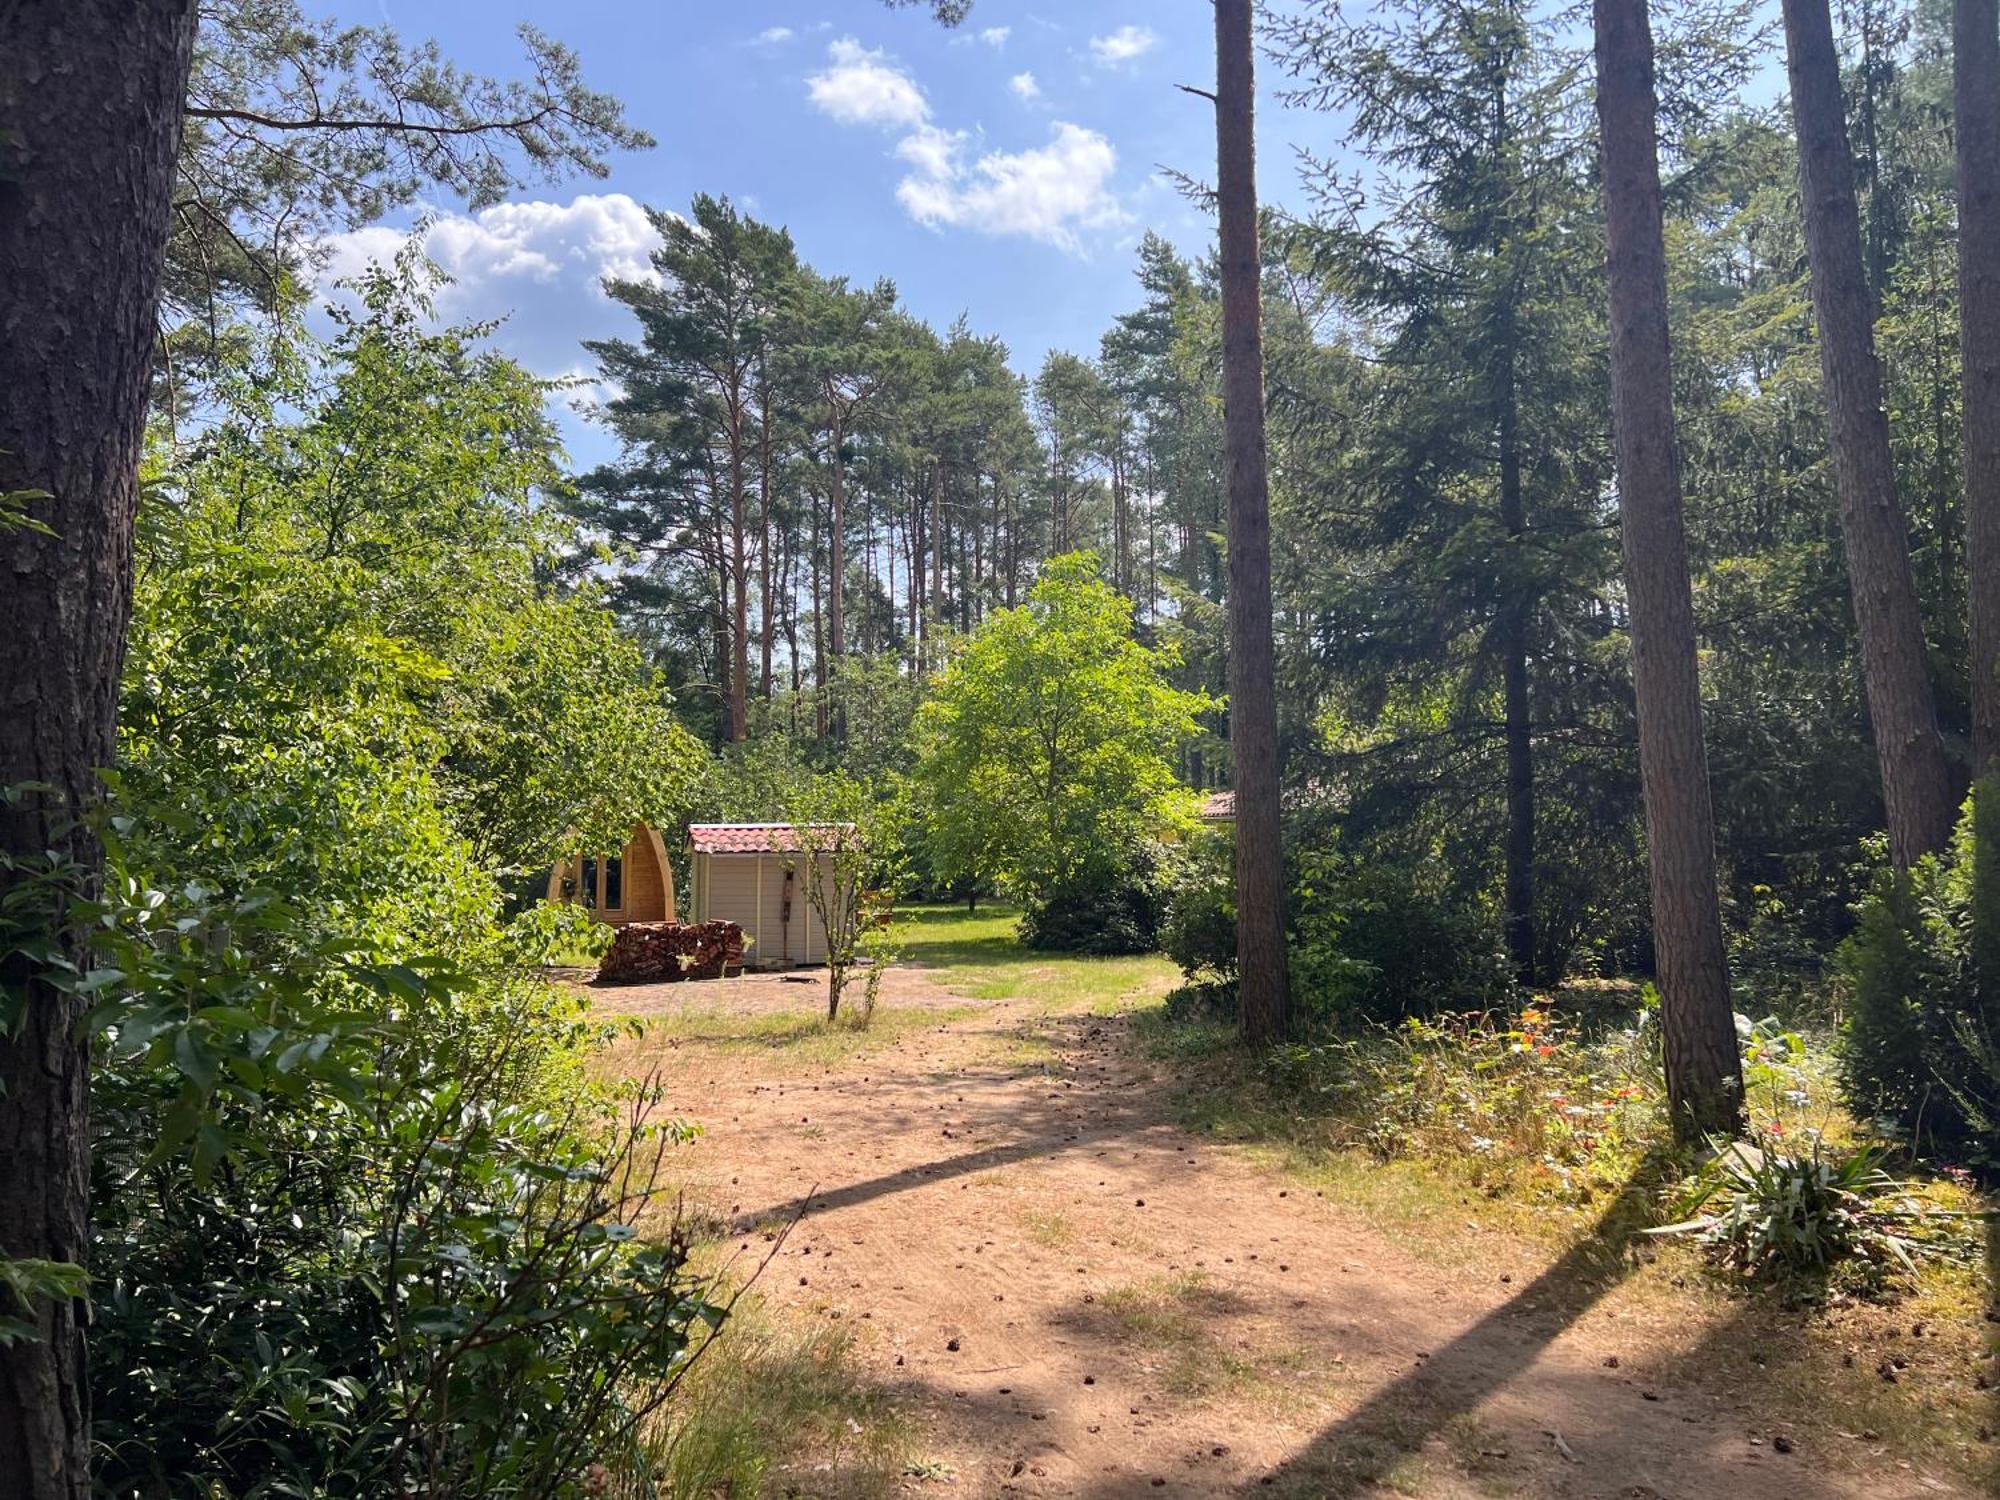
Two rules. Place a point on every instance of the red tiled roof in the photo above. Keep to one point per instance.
(747, 838)
(1219, 805)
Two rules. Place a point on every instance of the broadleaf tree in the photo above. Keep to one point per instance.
(1048, 748)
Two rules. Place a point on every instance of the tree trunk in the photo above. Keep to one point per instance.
(739, 580)
(938, 544)
(766, 617)
(1517, 708)
(1976, 110)
(1265, 1003)
(1917, 786)
(1704, 1074)
(819, 632)
(90, 122)
(837, 542)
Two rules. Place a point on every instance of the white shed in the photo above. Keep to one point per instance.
(751, 874)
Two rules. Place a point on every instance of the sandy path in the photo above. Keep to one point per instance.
(1079, 1298)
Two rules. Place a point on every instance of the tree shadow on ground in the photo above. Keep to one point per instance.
(1366, 1447)
(1061, 1122)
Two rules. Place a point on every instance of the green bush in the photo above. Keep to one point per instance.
(1923, 992)
(1378, 942)
(1199, 932)
(360, 1229)
(1113, 904)
(364, 1225)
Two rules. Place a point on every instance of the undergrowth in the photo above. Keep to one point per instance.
(1556, 1117)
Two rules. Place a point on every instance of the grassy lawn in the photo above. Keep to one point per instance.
(975, 954)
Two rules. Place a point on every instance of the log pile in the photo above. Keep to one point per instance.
(662, 952)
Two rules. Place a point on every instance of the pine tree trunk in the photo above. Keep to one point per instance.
(819, 632)
(837, 542)
(1265, 1000)
(1976, 109)
(1517, 707)
(1917, 784)
(90, 119)
(739, 579)
(1704, 1074)
(766, 614)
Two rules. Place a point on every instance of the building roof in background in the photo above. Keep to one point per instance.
(1218, 805)
(753, 838)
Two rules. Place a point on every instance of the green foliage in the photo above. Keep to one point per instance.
(1046, 755)
(1922, 1011)
(1784, 1213)
(426, 1277)
(299, 127)
(27, 1282)
(1199, 932)
(347, 648)
(16, 511)
(1106, 905)
(364, 1225)
(1378, 942)
(1531, 1108)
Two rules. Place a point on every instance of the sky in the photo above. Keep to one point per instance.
(1005, 170)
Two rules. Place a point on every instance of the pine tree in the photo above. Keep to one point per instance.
(1917, 784)
(1704, 1076)
(1264, 990)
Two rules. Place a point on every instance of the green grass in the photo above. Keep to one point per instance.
(777, 1407)
(1173, 1320)
(976, 954)
(803, 1038)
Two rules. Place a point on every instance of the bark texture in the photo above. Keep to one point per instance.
(1704, 1072)
(90, 117)
(1918, 790)
(1518, 715)
(1265, 1004)
(1976, 112)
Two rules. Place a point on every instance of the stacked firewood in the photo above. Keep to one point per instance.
(661, 952)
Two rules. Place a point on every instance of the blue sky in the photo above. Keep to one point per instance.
(1005, 170)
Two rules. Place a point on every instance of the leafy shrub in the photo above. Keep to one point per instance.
(359, 1230)
(1378, 942)
(1200, 1004)
(1199, 932)
(1110, 905)
(1923, 990)
(365, 1226)
(1777, 1211)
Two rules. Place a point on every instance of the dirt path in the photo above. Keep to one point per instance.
(1078, 1298)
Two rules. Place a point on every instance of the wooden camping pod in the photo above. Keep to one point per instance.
(634, 885)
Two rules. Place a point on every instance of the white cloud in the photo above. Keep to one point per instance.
(1024, 84)
(996, 36)
(1124, 44)
(772, 36)
(861, 87)
(1047, 193)
(933, 152)
(539, 264)
(593, 236)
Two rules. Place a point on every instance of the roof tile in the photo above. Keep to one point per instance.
(745, 838)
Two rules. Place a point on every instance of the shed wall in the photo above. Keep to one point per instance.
(749, 889)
